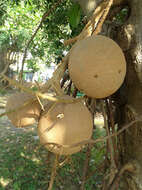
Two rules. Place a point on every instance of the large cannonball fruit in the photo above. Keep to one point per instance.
(97, 66)
(26, 115)
(65, 124)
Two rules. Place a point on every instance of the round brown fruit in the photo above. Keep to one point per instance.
(26, 115)
(65, 124)
(97, 66)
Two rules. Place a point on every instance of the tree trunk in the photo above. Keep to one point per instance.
(2, 61)
(5, 61)
(130, 142)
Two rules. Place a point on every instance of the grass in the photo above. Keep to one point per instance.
(23, 165)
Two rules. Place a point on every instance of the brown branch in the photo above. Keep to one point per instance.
(127, 167)
(112, 124)
(40, 103)
(91, 141)
(17, 84)
(113, 165)
(53, 174)
(106, 11)
(50, 98)
(86, 165)
(58, 99)
(57, 76)
(113, 168)
(89, 27)
(71, 41)
(34, 34)
(43, 95)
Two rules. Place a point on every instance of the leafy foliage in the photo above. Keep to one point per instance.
(75, 15)
(19, 19)
(122, 15)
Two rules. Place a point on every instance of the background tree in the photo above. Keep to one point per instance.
(18, 22)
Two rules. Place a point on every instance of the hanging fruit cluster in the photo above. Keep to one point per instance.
(97, 68)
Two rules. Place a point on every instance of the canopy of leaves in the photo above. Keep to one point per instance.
(20, 18)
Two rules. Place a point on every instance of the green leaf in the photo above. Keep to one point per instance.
(74, 15)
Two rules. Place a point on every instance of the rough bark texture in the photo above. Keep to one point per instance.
(130, 39)
(5, 61)
(88, 6)
(2, 61)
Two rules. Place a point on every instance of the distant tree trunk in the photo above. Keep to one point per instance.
(2, 60)
(130, 142)
(5, 61)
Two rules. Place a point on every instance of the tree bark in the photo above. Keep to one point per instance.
(130, 142)
(2, 61)
(6, 59)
